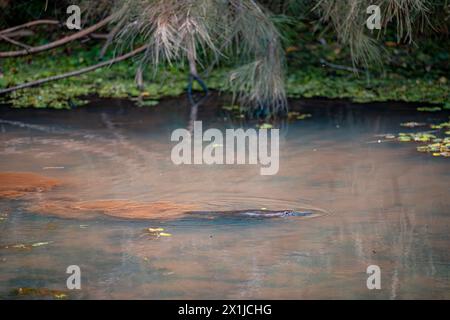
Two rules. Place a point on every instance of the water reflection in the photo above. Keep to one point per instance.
(380, 203)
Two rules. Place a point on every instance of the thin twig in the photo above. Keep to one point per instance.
(339, 67)
(27, 25)
(15, 42)
(110, 37)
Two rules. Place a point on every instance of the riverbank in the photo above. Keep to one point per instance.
(317, 79)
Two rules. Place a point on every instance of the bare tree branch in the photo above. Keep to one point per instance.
(28, 24)
(74, 73)
(18, 34)
(15, 42)
(110, 37)
(59, 42)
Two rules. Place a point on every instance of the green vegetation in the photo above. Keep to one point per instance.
(117, 81)
(327, 49)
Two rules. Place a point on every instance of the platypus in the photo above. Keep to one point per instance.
(256, 213)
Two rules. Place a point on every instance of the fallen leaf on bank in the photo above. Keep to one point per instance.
(391, 44)
(292, 49)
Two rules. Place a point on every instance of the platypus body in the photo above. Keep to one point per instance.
(257, 213)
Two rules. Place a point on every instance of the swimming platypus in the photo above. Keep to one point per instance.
(256, 213)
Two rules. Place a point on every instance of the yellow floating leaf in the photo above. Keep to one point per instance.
(39, 244)
(265, 126)
(163, 234)
(60, 296)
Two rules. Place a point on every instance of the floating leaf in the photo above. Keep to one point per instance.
(24, 246)
(429, 109)
(40, 292)
(418, 137)
(413, 124)
(386, 136)
(40, 244)
(163, 234)
(293, 114)
(19, 246)
(152, 230)
(265, 126)
(404, 138)
(423, 149)
(304, 116)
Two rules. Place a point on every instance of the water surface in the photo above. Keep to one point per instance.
(375, 203)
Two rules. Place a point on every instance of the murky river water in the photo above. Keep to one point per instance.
(379, 204)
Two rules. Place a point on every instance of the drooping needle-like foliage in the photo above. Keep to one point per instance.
(199, 31)
(349, 20)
